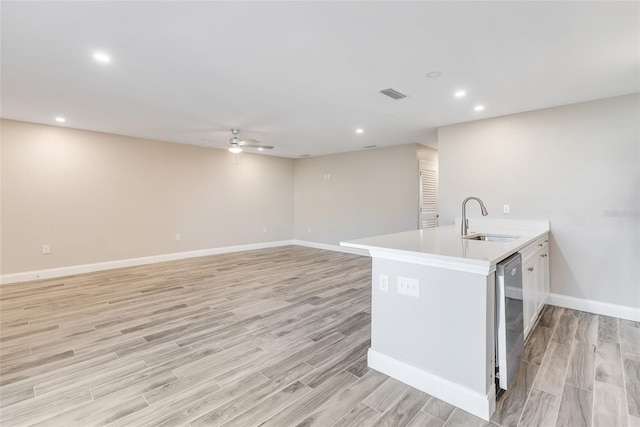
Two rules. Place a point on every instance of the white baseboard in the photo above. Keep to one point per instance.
(597, 307)
(51, 273)
(455, 394)
(329, 247)
(131, 262)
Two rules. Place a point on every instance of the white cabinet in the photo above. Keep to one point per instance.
(528, 294)
(535, 280)
(542, 276)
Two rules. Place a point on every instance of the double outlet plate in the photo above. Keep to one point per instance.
(404, 285)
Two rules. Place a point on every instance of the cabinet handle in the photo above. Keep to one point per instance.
(530, 268)
(546, 241)
(540, 245)
(543, 255)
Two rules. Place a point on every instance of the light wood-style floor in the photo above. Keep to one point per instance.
(273, 337)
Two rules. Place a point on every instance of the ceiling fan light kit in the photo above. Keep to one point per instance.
(236, 144)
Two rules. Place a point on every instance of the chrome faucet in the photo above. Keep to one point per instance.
(465, 222)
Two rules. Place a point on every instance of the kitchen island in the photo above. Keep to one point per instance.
(433, 303)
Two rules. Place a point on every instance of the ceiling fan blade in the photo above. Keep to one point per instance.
(249, 142)
(264, 147)
(252, 143)
(235, 141)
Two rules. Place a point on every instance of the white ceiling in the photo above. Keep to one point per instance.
(304, 75)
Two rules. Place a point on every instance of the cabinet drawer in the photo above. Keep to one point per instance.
(542, 243)
(530, 250)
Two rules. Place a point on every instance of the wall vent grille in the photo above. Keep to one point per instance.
(392, 93)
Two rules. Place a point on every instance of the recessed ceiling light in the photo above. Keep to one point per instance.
(260, 148)
(101, 57)
(460, 93)
(359, 130)
(60, 119)
(434, 74)
(478, 108)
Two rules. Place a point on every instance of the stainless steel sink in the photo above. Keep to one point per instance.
(491, 237)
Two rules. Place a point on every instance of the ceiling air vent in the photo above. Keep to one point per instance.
(393, 93)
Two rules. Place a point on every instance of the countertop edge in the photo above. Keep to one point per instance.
(475, 266)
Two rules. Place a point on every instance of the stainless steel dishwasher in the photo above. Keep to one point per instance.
(509, 320)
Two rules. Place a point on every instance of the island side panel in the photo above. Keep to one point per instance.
(447, 331)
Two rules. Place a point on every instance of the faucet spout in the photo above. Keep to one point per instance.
(465, 222)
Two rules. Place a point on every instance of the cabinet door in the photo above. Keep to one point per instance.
(538, 279)
(542, 277)
(529, 294)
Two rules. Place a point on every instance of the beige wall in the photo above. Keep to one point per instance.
(98, 197)
(577, 166)
(369, 193)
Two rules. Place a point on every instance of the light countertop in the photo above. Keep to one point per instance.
(444, 246)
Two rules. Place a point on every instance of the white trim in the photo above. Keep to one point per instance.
(597, 307)
(335, 248)
(108, 265)
(50, 273)
(455, 394)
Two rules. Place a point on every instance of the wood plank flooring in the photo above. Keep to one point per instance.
(273, 337)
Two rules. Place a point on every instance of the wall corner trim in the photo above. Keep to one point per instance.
(597, 307)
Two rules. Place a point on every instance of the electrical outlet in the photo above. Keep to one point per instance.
(409, 287)
(178, 237)
(46, 249)
(264, 229)
(383, 283)
(309, 229)
(505, 209)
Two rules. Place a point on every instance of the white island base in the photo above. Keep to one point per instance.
(442, 340)
(440, 343)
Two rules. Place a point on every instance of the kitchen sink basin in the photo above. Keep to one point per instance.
(491, 237)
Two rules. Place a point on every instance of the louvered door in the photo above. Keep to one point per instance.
(428, 194)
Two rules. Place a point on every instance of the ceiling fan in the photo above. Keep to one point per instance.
(236, 145)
